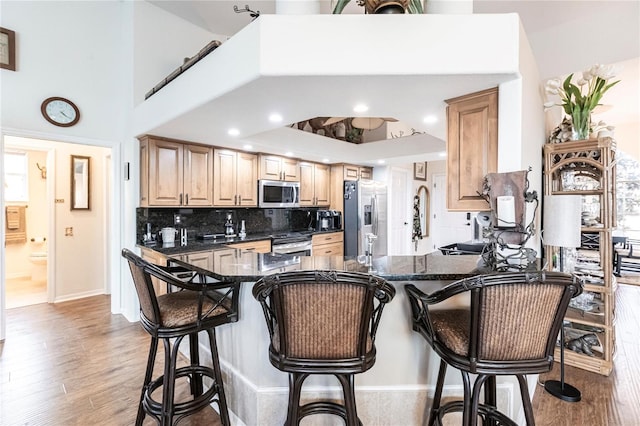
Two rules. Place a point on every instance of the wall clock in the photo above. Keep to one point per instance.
(60, 111)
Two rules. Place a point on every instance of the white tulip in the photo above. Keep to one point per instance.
(554, 83)
(582, 82)
(551, 91)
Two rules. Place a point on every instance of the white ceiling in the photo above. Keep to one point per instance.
(565, 36)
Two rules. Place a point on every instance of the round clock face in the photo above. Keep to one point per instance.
(60, 111)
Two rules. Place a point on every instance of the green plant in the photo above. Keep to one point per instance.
(415, 6)
(577, 104)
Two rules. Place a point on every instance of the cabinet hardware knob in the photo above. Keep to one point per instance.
(235, 200)
(180, 198)
(186, 201)
(240, 199)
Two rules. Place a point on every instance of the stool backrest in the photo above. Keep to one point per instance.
(144, 286)
(325, 315)
(514, 317)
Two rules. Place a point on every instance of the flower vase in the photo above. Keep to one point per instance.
(580, 124)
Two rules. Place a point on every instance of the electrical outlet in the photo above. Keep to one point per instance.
(68, 232)
(177, 219)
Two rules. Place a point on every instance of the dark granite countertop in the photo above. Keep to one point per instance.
(238, 265)
(215, 244)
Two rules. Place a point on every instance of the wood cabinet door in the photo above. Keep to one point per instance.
(262, 246)
(160, 287)
(224, 177)
(198, 175)
(307, 190)
(291, 169)
(202, 259)
(322, 189)
(351, 172)
(247, 179)
(165, 172)
(472, 148)
(366, 173)
(271, 167)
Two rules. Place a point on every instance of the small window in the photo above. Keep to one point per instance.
(16, 182)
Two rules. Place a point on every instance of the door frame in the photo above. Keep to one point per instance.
(112, 244)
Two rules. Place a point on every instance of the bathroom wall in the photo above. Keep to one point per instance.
(17, 255)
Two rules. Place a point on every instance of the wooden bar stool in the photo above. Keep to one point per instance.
(510, 328)
(322, 322)
(199, 304)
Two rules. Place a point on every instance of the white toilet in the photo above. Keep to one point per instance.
(39, 268)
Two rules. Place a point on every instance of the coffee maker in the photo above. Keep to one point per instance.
(328, 220)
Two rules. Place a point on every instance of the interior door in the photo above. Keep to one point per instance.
(399, 216)
(447, 227)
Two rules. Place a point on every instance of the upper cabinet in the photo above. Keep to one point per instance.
(175, 174)
(273, 167)
(472, 148)
(235, 182)
(314, 184)
(353, 172)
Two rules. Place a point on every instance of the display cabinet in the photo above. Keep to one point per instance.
(587, 168)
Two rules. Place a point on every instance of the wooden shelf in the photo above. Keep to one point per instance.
(591, 162)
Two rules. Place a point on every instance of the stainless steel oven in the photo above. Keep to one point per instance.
(293, 244)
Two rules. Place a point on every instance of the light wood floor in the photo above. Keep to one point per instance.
(74, 363)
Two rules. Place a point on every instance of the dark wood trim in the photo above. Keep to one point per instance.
(11, 35)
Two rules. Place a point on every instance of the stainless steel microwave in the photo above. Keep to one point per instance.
(278, 194)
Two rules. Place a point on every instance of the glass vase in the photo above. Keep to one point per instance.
(580, 124)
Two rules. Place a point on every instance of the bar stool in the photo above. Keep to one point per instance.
(322, 322)
(510, 328)
(199, 304)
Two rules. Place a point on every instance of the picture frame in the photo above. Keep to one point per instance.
(80, 182)
(7, 49)
(420, 171)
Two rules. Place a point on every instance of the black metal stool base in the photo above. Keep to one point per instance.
(487, 412)
(180, 409)
(563, 391)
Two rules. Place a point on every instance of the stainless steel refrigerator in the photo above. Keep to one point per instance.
(365, 211)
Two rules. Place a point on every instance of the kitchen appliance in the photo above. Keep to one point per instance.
(168, 235)
(365, 212)
(228, 226)
(277, 194)
(292, 243)
(328, 220)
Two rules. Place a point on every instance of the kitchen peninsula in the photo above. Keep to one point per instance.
(395, 390)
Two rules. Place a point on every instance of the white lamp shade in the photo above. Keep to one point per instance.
(562, 220)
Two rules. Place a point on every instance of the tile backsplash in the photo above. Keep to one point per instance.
(211, 221)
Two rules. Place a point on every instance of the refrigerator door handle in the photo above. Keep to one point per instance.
(374, 214)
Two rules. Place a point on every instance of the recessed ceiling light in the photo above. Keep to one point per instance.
(233, 132)
(275, 118)
(360, 108)
(381, 161)
(430, 119)
(289, 154)
(442, 154)
(325, 160)
(248, 147)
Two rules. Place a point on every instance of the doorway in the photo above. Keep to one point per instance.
(27, 197)
(75, 240)
(448, 227)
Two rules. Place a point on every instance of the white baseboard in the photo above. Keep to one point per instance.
(80, 295)
(18, 275)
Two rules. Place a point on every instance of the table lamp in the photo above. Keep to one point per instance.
(562, 221)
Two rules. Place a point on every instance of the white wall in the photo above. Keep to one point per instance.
(162, 41)
(17, 255)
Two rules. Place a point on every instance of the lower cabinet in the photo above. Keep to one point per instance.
(261, 246)
(152, 256)
(330, 244)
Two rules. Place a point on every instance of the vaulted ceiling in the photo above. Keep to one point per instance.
(565, 36)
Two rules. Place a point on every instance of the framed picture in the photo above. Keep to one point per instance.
(420, 171)
(80, 183)
(7, 49)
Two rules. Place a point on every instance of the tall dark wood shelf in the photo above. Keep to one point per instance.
(587, 168)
